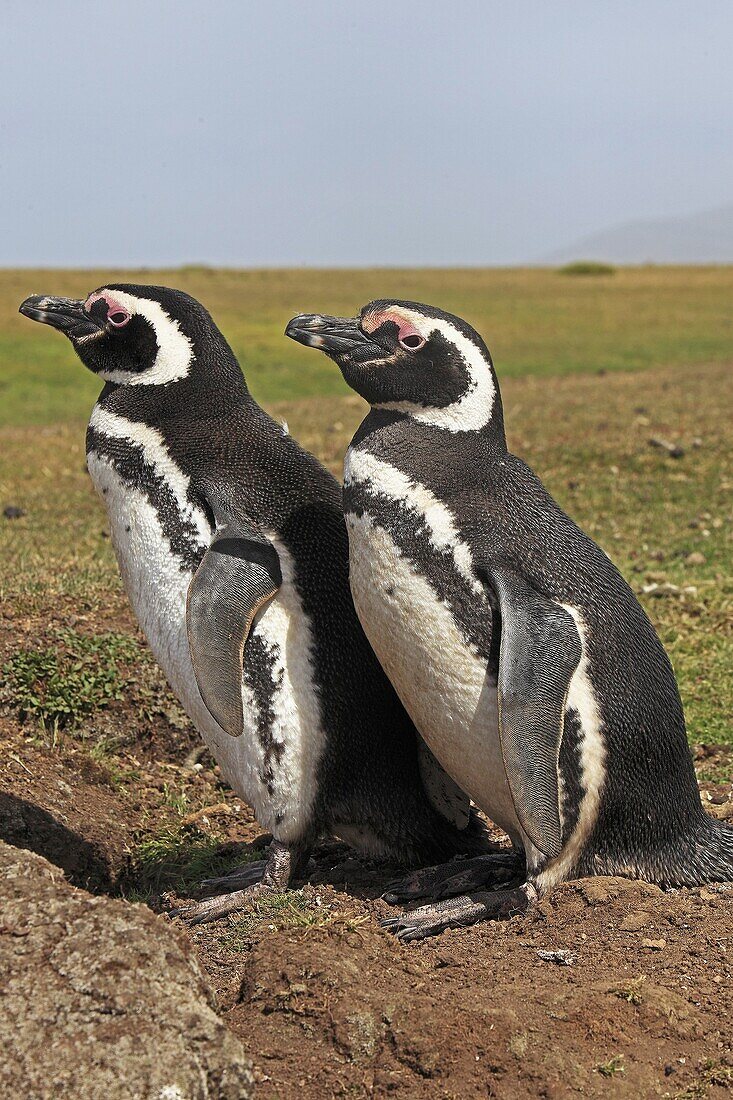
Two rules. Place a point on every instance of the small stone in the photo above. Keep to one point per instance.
(654, 945)
(633, 922)
(562, 958)
(674, 450)
(13, 512)
(695, 558)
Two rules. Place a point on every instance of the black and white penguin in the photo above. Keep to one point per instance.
(233, 550)
(518, 649)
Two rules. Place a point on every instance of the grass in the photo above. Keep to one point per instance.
(584, 431)
(632, 991)
(176, 857)
(294, 909)
(535, 322)
(612, 1066)
(58, 686)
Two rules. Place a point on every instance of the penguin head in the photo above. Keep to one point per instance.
(410, 358)
(135, 335)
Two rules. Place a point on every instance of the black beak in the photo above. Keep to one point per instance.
(337, 336)
(65, 314)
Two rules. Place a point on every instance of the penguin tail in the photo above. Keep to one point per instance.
(703, 856)
(715, 858)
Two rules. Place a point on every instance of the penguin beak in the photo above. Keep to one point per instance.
(337, 336)
(65, 314)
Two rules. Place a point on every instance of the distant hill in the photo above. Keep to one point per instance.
(705, 237)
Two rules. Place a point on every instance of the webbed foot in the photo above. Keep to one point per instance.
(460, 876)
(239, 878)
(202, 912)
(431, 920)
(247, 884)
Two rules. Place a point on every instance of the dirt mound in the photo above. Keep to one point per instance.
(612, 987)
(101, 999)
(606, 988)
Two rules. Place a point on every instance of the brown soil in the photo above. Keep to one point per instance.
(326, 1002)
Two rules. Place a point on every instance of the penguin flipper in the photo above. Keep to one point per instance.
(239, 573)
(539, 652)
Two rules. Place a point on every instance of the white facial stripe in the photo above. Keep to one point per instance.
(473, 409)
(175, 350)
(156, 455)
(581, 697)
(364, 467)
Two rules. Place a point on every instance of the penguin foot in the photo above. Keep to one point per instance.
(239, 878)
(210, 909)
(431, 920)
(460, 876)
(247, 884)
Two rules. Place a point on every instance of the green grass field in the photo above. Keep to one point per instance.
(536, 322)
(593, 367)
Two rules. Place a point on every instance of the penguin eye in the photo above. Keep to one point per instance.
(412, 342)
(119, 318)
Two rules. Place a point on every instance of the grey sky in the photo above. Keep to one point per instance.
(325, 132)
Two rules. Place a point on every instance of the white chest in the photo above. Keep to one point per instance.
(441, 679)
(275, 774)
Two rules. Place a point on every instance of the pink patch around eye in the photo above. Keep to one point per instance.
(117, 314)
(406, 330)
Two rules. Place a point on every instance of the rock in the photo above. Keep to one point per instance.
(103, 998)
(561, 957)
(674, 450)
(654, 945)
(12, 512)
(633, 922)
(695, 558)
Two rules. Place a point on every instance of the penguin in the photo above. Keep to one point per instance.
(518, 649)
(232, 547)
